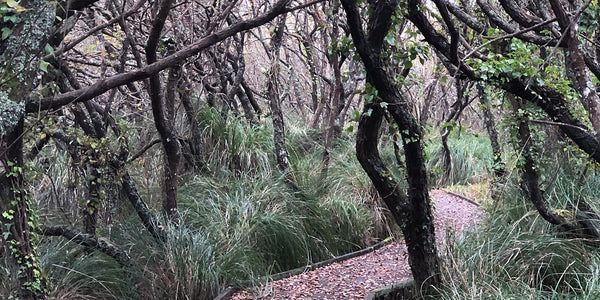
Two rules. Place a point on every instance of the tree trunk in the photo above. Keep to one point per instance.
(584, 222)
(413, 213)
(275, 105)
(195, 140)
(163, 125)
(16, 218)
(456, 110)
(20, 55)
(333, 107)
(251, 98)
(575, 63)
(490, 126)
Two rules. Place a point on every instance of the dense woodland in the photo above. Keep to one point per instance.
(169, 149)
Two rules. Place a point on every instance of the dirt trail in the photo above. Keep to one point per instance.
(356, 277)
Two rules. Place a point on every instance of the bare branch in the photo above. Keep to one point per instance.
(106, 84)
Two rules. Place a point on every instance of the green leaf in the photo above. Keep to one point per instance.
(44, 66)
(6, 32)
(11, 18)
(49, 50)
(390, 39)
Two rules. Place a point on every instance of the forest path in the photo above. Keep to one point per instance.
(356, 277)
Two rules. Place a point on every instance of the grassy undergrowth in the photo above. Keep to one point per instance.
(240, 221)
(471, 156)
(515, 254)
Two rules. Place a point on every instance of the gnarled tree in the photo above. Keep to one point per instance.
(412, 211)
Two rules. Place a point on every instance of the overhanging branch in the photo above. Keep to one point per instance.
(109, 83)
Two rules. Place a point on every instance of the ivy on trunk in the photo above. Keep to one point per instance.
(413, 210)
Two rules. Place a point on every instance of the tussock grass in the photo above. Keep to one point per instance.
(516, 254)
(347, 192)
(189, 264)
(471, 158)
(233, 146)
(240, 221)
(75, 273)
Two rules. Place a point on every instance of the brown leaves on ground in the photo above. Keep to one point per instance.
(356, 277)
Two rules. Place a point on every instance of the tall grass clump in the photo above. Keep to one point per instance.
(231, 145)
(254, 213)
(188, 264)
(515, 254)
(284, 230)
(346, 191)
(471, 157)
(76, 273)
(239, 220)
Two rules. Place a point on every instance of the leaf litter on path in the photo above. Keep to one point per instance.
(356, 277)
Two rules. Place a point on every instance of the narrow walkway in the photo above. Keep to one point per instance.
(356, 277)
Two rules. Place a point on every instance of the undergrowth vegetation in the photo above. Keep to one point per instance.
(515, 254)
(240, 221)
(470, 157)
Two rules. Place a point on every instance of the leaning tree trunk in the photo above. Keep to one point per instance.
(195, 139)
(490, 126)
(456, 110)
(333, 105)
(412, 212)
(584, 223)
(575, 64)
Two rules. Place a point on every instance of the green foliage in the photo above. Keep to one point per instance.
(517, 62)
(516, 254)
(77, 274)
(471, 158)
(234, 146)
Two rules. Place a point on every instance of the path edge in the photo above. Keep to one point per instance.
(229, 291)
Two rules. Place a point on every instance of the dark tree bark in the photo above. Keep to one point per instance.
(195, 140)
(490, 126)
(90, 241)
(584, 223)
(161, 111)
(148, 219)
(275, 105)
(90, 211)
(19, 68)
(314, 80)
(456, 110)
(575, 63)
(16, 217)
(412, 212)
(530, 176)
(103, 85)
(248, 91)
(239, 66)
(333, 105)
